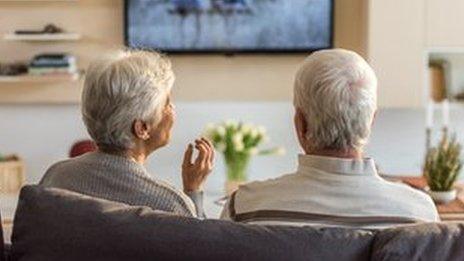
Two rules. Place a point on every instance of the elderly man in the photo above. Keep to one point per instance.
(334, 185)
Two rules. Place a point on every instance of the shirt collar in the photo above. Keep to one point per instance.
(334, 165)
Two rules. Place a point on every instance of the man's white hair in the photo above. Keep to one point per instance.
(121, 88)
(337, 92)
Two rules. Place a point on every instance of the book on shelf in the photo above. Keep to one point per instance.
(52, 63)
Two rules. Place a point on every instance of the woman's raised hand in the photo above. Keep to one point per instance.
(194, 173)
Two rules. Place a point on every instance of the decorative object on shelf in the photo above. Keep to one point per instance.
(82, 147)
(12, 69)
(238, 142)
(47, 29)
(50, 32)
(438, 80)
(11, 174)
(459, 97)
(441, 169)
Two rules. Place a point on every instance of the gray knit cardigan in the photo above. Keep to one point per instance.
(120, 179)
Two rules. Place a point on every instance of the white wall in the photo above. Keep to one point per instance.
(399, 34)
(43, 135)
(443, 22)
(396, 51)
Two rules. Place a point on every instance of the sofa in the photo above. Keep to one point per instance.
(54, 224)
(2, 245)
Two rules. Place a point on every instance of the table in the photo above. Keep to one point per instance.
(452, 211)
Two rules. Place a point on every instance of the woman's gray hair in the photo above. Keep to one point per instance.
(123, 87)
(336, 91)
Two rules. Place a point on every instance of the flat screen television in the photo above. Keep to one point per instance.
(229, 26)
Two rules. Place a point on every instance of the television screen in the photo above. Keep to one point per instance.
(229, 25)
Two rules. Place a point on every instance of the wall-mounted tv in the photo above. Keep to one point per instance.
(229, 26)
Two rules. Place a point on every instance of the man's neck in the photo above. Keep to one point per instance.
(346, 154)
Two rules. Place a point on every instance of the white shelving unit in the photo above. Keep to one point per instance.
(27, 78)
(42, 37)
(28, 88)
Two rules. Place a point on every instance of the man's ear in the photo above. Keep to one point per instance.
(140, 130)
(301, 125)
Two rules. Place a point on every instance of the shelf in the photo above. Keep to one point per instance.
(42, 37)
(445, 50)
(40, 78)
(38, 1)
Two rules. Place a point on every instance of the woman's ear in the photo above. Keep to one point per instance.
(141, 130)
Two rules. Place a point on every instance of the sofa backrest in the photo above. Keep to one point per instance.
(431, 241)
(53, 224)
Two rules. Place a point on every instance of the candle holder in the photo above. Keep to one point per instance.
(428, 137)
(445, 131)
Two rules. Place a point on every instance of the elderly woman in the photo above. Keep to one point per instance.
(127, 110)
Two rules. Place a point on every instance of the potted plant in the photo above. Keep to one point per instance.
(441, 169)
(238, 142)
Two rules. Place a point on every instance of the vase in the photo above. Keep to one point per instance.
(443, 197)
(236, 173)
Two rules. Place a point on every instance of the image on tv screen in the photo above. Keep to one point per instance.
(229, 25)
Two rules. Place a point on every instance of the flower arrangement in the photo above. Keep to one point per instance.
(443, 165)
(239, 141)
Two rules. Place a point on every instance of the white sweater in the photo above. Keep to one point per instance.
(331, 192)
